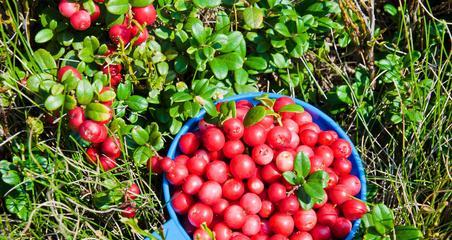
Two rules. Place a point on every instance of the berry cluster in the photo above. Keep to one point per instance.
(79, 18)
(229, 178)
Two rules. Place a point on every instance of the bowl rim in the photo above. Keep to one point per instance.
(310, 108)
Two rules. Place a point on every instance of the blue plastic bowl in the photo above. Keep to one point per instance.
(174, 230)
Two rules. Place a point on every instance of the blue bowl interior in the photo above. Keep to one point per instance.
(320, 118)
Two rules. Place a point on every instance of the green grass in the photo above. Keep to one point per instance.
(406, 147)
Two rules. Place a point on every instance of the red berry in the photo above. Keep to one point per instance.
(142, 35)
(282, 223)
(200, 213)
(189, 143)
(153, 165)
(326, 138)
(68, 8)
(301, 236)
(316, 163)
(254, 135)
(242, 167)
(166, 164)
(341, 227)
(217, 171)
(96, 14)
(132, 192)
(196, 165)
(234, 216)
(107, 163)
(177, 174)
(311, 126)
(305, 220)
(270, 173)
(192, 184)
(306, 150)
(308, 137)
(233, 189)
(81, 20)
(278, 237)
(262, 154)
(233, 128)
(332, 178)
(276, 192)
(213, 139)
(255, 185)
(351, 183)
(64, 69)
(321, 232)
(222, 231)
(220, 206)
(278, 137)
(266, 209)
(327, 215)
(267, 122)
(284, 161)
(290, 124)
(294, 140)
(341, 148)
(111, 147)
(251, 203)
(201, 234)
(181, 202)
(92, 131)
(93, 155)
(353, 209)
(338, 194)
(342, 166)
(119, 33)
(302, 118)
(233, 148)
(326, 153)
(281, 102)
(252, 225)
(128, 212)
(210, 192)
(289, 205)
(145, 15)
(76, 118)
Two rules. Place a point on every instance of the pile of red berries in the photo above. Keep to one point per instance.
(229, 178)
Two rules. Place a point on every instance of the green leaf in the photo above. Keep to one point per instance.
(141, 155)
(11, 177)
(295, 108)
(139, 135)
(140, 3)
(222, 23)
(280, 61)
(84, 92)
(390, 8)
(319, 177)
(302, 165)
(314, 190)
(257, 63)
(137, 103)
(241, 76)
(124, 90)
(52, 103)
(17, 202)
(45, 60)
(282, 29)
(254, 115)
(253, 17)
(304, 199)
(70, 102)
(219, 69)
(107, 96)
(210, 108)
(207, 3)
(117, 7)
(232, 60)
(290, 177)
(233, 42)
(382, 214)
(86, 55)
(98, 112)
(408, 233)
(44, 35)
(199, 32)
(181, 97)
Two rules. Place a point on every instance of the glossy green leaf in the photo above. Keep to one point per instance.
(294, 108)
(140, 3)
(390, 8)
(282, 29)
(314, 190)
(137, 103)
(408, 233)
(257, 63)
(253, 17)
(254, 115)
(304, 199)
(320, 177)
(219, 69)
(124, 90)
(11, 177)
(139, 135)
(232, 60)
(290, 177)
(45, 60)
(302, 165)
(17, 202)
(117, 7)
(84, 92)
(141, 155)
(44, 35)
(222, 23)
(52, 103)
(98, 112)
